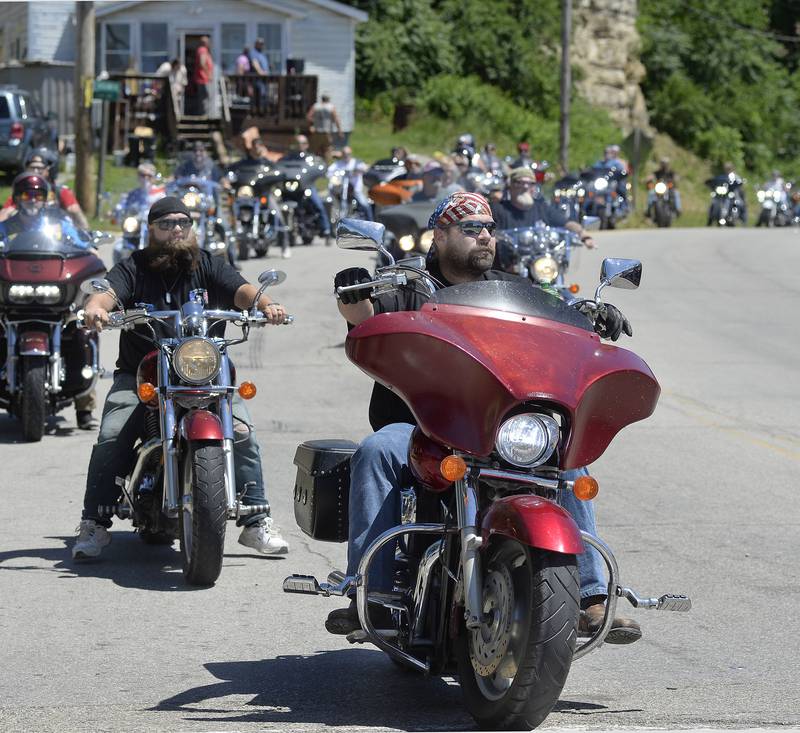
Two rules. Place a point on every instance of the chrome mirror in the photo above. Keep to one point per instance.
(359, 234)
(95, 286)
(267, 278)
(619, 273)
(271, 277)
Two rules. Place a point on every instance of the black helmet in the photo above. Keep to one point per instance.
(28, 188)
(48, 157)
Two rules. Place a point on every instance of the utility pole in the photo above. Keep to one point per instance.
(84, 80)
(566, 83)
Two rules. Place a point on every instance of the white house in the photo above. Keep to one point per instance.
(141, 35)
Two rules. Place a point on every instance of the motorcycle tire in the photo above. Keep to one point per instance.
(33, 409)
(603, 220)
(202, 520)
(243, 250)
(764, 219)
(662, 214)
(534, 597)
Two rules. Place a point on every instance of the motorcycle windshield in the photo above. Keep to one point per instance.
(477, 352)
(405, 218)
(299, 170)
(54, 238)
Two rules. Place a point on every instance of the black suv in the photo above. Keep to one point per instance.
(23, 126)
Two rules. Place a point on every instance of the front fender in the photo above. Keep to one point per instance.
(34, 343)
(532, 521)
(201, 425)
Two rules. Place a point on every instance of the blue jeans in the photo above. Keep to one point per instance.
(113, 454)
(379, 470)
(324, 221)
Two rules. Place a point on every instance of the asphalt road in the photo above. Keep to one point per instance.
(701, 499)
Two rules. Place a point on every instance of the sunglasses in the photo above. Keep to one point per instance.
(474, 228)
(35, 196)
(167, 225)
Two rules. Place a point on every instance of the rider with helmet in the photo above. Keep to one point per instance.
(29, 194)
(44, 162)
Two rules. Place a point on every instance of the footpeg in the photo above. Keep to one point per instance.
(338, 584)
(667, 602)
(302, 584)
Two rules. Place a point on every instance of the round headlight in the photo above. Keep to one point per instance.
(661, 187)
(600, 184)
(426, 240)
(196, 361)
(21, 293)
(292, 185)
(527, 440)
(191, 200)
(47, 294)
(278, 193)
(545, 269)
(130, 225)
(245, 192)
(761, 195)
(721, 190)
(406, 243)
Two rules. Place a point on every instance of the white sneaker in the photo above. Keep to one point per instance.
(92, 538)
(286, 253)
(264, 537)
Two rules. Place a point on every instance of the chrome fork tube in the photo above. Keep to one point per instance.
(467, 515)
(225, 406)
(11, 360)
(166, 412)
(55, 359)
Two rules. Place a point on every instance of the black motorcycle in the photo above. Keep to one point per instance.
(606, 195)
(298, 179)
(407, 232)
(727, 204)
(257, 211)
(662, 209)
(569, 193)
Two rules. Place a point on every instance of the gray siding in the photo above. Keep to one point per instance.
(51, 86)
(51, 31)
(326, 41)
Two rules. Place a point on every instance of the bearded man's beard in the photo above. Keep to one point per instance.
(177, 256)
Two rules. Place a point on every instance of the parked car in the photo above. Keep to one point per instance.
(23, 126)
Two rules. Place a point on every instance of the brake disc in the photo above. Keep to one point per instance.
(488, 644)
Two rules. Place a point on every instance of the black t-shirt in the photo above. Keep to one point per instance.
(134, 282)
(508, 216)
(386, 407)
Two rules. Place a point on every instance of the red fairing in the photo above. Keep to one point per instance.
(201, 425)
(461, 369)
(34, 342)
(50, 269)
(533, 521)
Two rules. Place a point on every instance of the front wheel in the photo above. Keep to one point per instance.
(34, 398)
(663, 214)
(203, 512)
(513, 668)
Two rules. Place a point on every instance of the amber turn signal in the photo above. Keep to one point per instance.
(453, 468)
(574, 288)
(146, 392)
(585, 488)
(247, 390)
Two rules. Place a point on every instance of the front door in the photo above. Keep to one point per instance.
(188, 41)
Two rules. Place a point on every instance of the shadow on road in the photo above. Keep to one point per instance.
(346, 687)
(11, 429)
(127, 562)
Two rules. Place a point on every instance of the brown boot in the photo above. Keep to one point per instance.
(623, 630)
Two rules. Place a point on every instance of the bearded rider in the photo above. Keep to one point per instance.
(30, 193)
(463, 251)
(523, 208)
(163, 274)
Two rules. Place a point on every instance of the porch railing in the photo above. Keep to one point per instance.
(273, 102)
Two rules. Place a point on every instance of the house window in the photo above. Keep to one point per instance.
(118, 46)
(233, 41)
(154, 46)
(272, 33)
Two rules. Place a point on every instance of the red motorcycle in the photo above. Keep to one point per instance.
(486, 583)
(47, 360)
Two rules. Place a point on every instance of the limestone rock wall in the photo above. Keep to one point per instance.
(605, 47)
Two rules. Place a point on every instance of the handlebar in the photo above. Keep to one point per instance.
(127, 319)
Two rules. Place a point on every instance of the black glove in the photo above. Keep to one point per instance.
(352, 276)
(610, 323)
